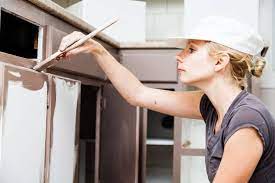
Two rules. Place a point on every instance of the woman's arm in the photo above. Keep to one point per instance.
(182, 104)
(242, 153)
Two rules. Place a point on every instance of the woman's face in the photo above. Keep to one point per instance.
(195, 65)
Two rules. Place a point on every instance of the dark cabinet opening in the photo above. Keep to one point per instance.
(88, 117)
(18, 36)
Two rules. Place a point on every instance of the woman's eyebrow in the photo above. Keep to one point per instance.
(194, 45)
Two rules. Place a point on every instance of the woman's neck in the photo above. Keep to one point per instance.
(221, 95)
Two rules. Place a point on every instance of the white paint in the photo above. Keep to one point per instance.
(40, 43)
(64, 151)
(131, 26)
(23, 131)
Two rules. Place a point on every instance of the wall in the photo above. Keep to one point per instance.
(131, 26)
(267, 27)
(164, 18)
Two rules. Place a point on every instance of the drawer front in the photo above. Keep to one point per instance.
(82, 64)
(151, 65)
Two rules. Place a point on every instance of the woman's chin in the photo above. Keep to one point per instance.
(185, 80)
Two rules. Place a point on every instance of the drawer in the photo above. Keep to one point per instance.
(151, 65)
(83, 64)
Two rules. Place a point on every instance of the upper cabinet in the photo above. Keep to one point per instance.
(20, 37)
(83, 64)
(30, 33)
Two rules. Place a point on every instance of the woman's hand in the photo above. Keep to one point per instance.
(90, 46)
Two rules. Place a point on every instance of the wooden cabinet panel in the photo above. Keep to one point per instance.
(119, 139)
(64, 103)
(22, 125)
(151, 65)
(83, 64)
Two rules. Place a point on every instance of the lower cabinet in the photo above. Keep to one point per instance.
(23, 124)
(38, 127)
(57, 130)
(63, 123)
(119, 144)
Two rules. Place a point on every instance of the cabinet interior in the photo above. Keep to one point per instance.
(88, 117)
(159, 163)
(20, 37)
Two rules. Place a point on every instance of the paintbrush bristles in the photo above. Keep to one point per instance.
(45, 63)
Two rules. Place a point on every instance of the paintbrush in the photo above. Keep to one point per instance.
(54, 58)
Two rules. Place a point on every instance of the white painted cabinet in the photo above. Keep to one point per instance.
(64, 102)
(38, 127)
(22, 125)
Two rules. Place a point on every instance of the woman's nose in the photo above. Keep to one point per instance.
(179, 59)
(180, 56)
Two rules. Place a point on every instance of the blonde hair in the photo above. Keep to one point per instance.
(241, 64)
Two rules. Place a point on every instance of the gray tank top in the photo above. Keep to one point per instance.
(246, 110)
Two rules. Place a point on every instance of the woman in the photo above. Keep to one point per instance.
(217, 56)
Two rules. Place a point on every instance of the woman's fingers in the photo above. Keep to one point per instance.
(75, 51)
(90, 46)
(70, 39)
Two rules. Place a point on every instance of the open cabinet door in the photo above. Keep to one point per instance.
(64, 133)
(23, 101)
(119, 144)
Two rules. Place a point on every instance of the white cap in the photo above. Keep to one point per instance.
(225, 31)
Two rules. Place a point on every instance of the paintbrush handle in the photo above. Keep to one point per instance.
(51, 60)
(91, 35)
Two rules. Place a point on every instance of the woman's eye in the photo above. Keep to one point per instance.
(191, 50)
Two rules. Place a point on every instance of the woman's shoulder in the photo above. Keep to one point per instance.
(251, 112)
(253, 105)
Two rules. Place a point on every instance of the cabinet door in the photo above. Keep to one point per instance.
(22, 125)
(64, 107)
(119, 139)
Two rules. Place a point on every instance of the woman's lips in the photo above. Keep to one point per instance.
(181, 70)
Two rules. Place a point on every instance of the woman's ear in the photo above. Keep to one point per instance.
(221, 61)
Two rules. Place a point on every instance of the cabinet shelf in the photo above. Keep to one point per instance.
(160, 142)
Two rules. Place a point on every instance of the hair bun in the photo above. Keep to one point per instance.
(258, 66)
